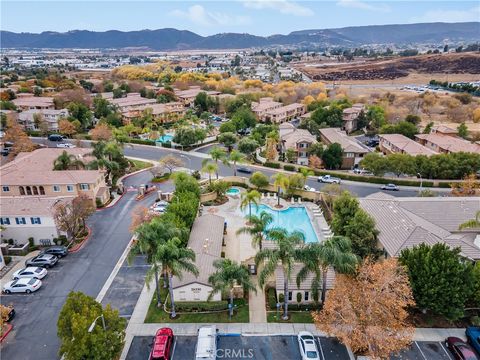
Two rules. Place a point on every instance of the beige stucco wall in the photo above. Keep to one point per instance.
(195, 292)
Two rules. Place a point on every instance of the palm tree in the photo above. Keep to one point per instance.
(209, 168)
(335, 252)
(305, 172)
(253, 196)
(67, 161)
(286, 253)
(175, 259)
(227, 276)
(471, 224)
(281, 182)
(258, 228)
(217, 155)
(236, 157)
(149, 237)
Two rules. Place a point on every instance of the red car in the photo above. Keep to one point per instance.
(162, 344)
(460, 349)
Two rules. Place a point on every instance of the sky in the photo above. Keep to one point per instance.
(258, 17)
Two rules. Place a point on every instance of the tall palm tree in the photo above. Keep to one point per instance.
(149, 237)
(66, 161)
(209, 168)
(335, 252)
(175, 259)
(286, 253)
(217, 155)
(305, 172)
(281, 182)
(236, 157)
(228, 274)
(252, 196)
(258, 228)
(471, 224)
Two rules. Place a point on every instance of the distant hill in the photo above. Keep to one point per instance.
(173, 39)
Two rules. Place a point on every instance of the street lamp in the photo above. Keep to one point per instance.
(421, 181)
(92, 326)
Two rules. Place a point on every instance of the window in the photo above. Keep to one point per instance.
(20, 221)
(29, 190)
(4, 221)
(35, 220)
(5, 188)
(306, 295)
(56, 188)
(22, 190)
(35, 190)
(289, 296)
(69, 188)
(42, 190)
(84, 186)
(350, 155)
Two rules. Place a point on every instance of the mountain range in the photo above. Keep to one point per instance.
(173, 39)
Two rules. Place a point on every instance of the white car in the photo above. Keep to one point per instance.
(25, 285)
(30, 272)
(308, 348)
(160, 206)
(65, 145)
(329, 179)
(308, 188)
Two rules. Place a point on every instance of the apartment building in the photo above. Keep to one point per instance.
(131, 101)
(400, 144)
(51, 117)
(161, 112)
(446, 143)
(187, 97)
(350, 116)
(265, 104)
(353, 152)
(34, 103)
(443, 130)
(285, 113)
(299, 140)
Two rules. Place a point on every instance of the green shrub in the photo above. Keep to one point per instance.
(272, 165)
(162, 178)
(289, 167)
(281, 298)
(10, 241)
(299, 297)
(31, 242)
(142, 142)
(62, 239)
(7, 259)
(192, 306)
(304, 307)
(167, 145)
(98, 202)
(475, 320)
(222, 254)
(196, 175)
(272, 298)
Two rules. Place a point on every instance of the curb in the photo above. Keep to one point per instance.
(10, 327)
(82, 244)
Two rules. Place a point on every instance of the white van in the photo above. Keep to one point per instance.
(206, 348)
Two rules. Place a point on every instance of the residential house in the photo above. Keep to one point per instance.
(446, 143)
(265, 104)
(206, 239)
(285, 113)
(31, 174)
(409, 221)
(400, 144)
(25, 217)
(34, 103)
(353, 151)
(299, 140)
(161, 112)
(51, 117)
(350, 116)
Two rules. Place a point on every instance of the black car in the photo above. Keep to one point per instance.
(5, 151)
(56, 137)
(244, 170)
(59, 251)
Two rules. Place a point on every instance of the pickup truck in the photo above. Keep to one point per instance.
(329, 179)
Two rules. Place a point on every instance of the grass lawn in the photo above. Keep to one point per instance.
(139, 165)
(295, 317)
(157, 315)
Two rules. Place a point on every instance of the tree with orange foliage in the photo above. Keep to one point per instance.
(16, 135)
(101, 132)
(476, 115)
(66, 127)
(315, 162)
(368, 312)
(467, 187)
(140, 215)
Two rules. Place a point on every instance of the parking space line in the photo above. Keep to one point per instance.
(443, 347)
(421, 352)
(320, 346)
(173, 350)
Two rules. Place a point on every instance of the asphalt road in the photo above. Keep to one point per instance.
(34, 334)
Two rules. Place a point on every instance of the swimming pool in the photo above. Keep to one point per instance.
(233, 191)
(293, 218)
(165, 138)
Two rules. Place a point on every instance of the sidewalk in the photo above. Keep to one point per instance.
(256, 304)
(19, 265)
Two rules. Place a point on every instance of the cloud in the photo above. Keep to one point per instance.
(283, 6)
(363, 5)
(439, 15)
(198, 15)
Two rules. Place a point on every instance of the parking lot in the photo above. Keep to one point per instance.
(278, 348)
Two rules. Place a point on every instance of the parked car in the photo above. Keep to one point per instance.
(56, 137)
(372, 142)
(26, 285)
(362, 172)
(58, 251)
(30, 272)
(460, 349)
(65, 145)
(162, 345)
(390, 187)
(9, 310)
(244, 170)
(206, 348)
(160, 206)
(5, 151)
(306, 343)
(42, 260)
(308, 188)
(473, 336)
(329, 179)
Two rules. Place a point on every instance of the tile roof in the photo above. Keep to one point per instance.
(205, 240)
(406, 145)
(450, 143)
(292, 138)
(306, 285)
(348, 144)
(29, 206)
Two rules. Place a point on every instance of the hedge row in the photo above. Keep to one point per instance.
(272, 165)
(142, 142)
(191, 306)
(271, 298)
(289, 167)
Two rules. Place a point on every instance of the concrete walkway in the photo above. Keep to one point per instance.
(256, 304)
(20, 264)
